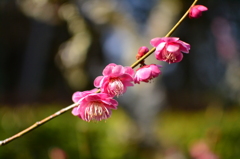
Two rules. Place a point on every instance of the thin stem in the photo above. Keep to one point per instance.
(38, 123)
(180, 20)
(167, 35)
(143, 57)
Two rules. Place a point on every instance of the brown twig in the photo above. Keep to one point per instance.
(167, 35)
(38, 123)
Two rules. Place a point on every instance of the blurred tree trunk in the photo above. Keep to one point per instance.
(35, 61)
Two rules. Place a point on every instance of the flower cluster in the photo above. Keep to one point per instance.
(96, 104)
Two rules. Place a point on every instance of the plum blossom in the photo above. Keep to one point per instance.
(141, 51)
(115, 79)
(169, 49)
(93, 106)
(147, 73)
(77, 96)
(196, 11)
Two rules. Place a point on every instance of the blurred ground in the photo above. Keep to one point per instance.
(179, 132)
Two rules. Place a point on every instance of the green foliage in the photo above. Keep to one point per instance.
(77, 138)
(116, 138)
(219, 129)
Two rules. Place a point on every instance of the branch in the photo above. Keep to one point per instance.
(38, 123)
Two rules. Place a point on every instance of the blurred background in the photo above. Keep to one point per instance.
(51, 48)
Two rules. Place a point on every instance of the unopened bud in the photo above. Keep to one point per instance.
(141, 51)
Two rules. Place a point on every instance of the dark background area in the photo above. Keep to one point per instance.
(52, 48)
(31, 42)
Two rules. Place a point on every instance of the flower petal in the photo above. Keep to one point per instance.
(92, 97)
(129, 70)
(126, 77)
(161, 46)
(76, 96)
(75, 111)
(170, 39)
(185, 47)
(201, 7)
(107, 70)
(173, 47)
(178, 58)
(97, 81)
(196, 11)
(118, 70)
(159, 55)
(112, 103)
(156, 41)
(144, 73)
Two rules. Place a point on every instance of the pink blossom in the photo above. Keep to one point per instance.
(196, 11)
(93, 106)
(169, 49)
(77, 96)
(146, 73)
(115, 79)
(142, 51)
